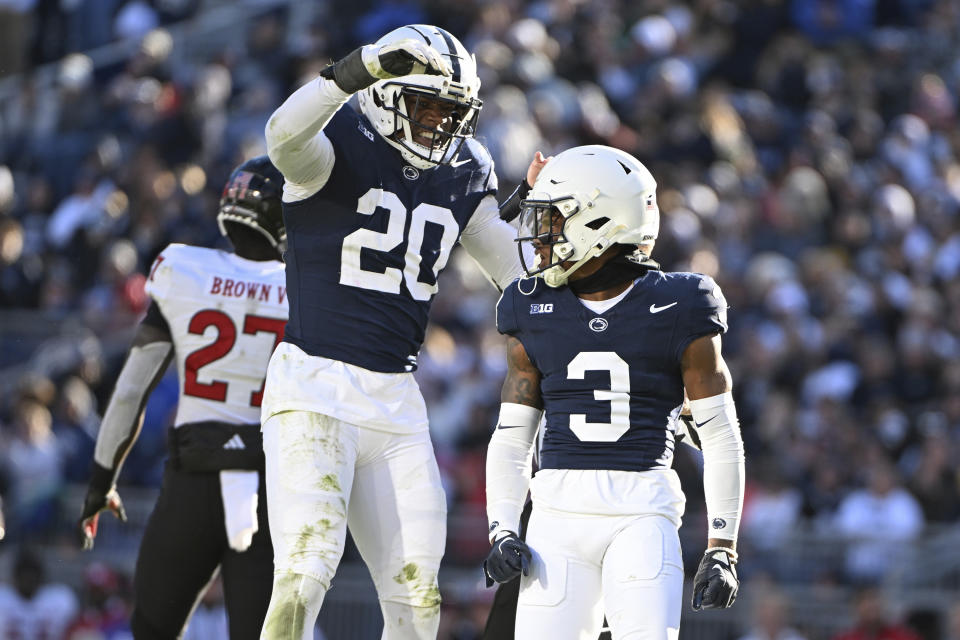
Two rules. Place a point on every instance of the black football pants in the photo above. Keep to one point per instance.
(184, 542)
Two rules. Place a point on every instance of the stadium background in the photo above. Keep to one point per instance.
(807, 158)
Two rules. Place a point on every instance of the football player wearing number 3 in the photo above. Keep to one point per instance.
(221, 314)
(604, 343)
(374, 202)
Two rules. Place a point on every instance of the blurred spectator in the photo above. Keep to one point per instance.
(770, 514)
(875, 522)
(872, 621)
(15, 29)
(953, 622)
(31, 608)
(75, 426)
(32, 460)
(769, 616)
(106, 606)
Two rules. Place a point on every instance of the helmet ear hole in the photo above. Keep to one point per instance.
(596, 224)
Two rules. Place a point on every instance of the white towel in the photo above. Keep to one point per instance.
(239, 492)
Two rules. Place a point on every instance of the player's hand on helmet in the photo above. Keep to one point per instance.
(508, 558)
(366, 65)
(101, 496)
(536, 165)
(716, 584)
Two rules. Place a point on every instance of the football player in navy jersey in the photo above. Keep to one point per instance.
(218, 315)
(374, 201)
(603, 344)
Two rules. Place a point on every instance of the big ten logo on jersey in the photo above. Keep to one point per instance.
(236, 189)
(366, 132)
(536, 309)
(259, 291)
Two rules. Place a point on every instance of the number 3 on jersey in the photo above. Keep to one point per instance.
(226, 338)
(618, 396)
(352, 274)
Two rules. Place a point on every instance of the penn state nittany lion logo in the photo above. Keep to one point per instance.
(410, 173)
(598, 325)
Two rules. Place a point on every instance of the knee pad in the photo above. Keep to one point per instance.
(294, 606)
(413, 586)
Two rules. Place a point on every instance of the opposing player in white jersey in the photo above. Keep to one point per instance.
(374, 202)
(220, 315)
(604, 344)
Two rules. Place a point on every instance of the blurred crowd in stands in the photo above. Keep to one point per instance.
(807, 157)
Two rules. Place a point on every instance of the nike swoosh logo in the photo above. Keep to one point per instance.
(552, 181)
(655, 309)
(700, 424)
(509, 426)
(460, 163)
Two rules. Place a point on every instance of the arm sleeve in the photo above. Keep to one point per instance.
(509, 464)
(510, 208)
(490, 242)
(296, 142)
(723, 463)
(121, 421)
(155, 319)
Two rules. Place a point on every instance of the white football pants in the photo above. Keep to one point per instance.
(585, 566)
(322, 475)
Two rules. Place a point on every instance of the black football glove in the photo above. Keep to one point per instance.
(101, 496)
(364, 66)
(509, 557)
(715, 586)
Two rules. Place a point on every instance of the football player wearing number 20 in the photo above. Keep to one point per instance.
(604, 343)
(374, 202)
(220, 314)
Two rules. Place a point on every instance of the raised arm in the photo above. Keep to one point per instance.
(489, 237)
(708, 385)
(146, 361)
(296, 143)
(295, 140)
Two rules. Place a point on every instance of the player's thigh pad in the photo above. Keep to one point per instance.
(398, 515)
(643, 580)
(561, 596)
(310, 462)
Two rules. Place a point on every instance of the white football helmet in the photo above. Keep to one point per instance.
(384, 105)
(585, 200)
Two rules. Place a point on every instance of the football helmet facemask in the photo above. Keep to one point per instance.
(426, 117)
(252, 198)
(585, 200)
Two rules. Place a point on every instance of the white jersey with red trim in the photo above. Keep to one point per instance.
(226, 315)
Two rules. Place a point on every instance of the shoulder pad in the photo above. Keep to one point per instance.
(176, 258)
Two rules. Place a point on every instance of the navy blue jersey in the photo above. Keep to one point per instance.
(364, 252)
(611, 382)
